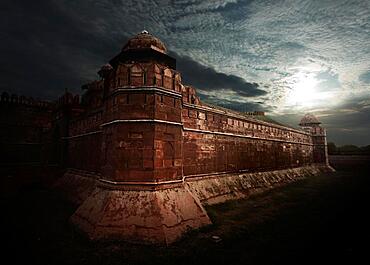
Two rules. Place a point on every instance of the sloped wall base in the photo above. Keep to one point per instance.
(159, 216)
(76, 185)
(215, 189)
(162, 215)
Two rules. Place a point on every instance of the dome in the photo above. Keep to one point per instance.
(145, 40)
(308, 120)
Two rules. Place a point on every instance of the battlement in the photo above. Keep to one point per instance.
(255, 113)
(24, 100)
(68, 99)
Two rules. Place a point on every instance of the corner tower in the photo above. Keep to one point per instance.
(311, 124)
(141, 195)
(142, 114)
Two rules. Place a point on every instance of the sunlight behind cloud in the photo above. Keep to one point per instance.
(304, 92)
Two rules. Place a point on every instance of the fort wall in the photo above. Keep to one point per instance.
(154, 138)
(25, 125)
(211, 139)
(220, 141)
(212, 142)
(142, 152)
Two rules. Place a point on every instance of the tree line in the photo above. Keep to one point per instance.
(348, 149)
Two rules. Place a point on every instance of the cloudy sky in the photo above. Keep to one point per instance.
(284, 57)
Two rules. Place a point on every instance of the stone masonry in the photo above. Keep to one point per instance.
(143, 153)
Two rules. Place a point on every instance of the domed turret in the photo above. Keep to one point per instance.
(144, 47)
(309, 120)
(145, 40)
(310, 124)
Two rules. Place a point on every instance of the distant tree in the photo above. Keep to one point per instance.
(349, 150)
(365, 150)
(332, 148)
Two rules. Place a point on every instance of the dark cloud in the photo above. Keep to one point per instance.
(233, 105)
(47, 49)
(53, 48)
(365, 77)
(348, 128)
(207, 78)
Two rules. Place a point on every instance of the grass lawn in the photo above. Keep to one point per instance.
(316, 220)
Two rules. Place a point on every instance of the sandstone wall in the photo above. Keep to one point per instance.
(218, 140)
(196, 139)
(25, 131)
(158, 151)
(150, 127)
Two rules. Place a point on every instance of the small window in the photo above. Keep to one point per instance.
(144, 78)
(128, 77)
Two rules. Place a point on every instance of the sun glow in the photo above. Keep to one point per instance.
(302, 92)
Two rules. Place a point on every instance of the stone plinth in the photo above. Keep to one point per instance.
(145, 214)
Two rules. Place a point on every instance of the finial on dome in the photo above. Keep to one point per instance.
(145, 40)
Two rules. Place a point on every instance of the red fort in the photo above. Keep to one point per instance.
(143, 154)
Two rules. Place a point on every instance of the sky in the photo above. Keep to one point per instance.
(286, 58)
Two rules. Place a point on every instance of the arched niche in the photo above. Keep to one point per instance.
(168, 153)
(137, 75)
(177, 82)
(123, 75)
(167, 78)
(158, 75)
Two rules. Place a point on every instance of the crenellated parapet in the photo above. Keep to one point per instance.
(15, 99)
(21, 114)
(25, 125)
(93, 96)
(68, 99)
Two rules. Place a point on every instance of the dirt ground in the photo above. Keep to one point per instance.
(316, 220)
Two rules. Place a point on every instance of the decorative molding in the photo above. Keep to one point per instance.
(145, 89)
(244, 136)
(146, 183)
(82, 135)
(142, 120)
(225, 113)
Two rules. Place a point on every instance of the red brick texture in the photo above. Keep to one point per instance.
(141, 149)
(144, 133)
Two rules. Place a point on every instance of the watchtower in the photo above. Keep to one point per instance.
(311, 124)
(141, 195)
